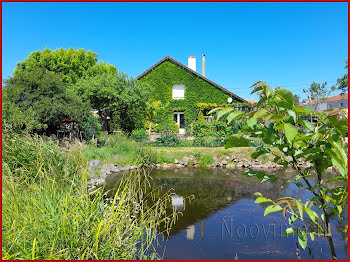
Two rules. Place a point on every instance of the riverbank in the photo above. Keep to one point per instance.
(48, 212)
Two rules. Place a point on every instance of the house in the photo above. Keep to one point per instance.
(337, 101)
(182, 88)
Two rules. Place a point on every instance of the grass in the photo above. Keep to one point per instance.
(118, 149)
(49, 214)
(240, 152)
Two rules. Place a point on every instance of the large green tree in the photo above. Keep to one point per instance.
(71, 64)
(37, 99)
(116, 97)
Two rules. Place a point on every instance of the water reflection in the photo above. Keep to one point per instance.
(223, 222)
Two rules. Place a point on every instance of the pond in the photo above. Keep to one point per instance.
(223, 222)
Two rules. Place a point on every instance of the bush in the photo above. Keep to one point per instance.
(168, 141)
(206, 160)
(167, 128)
(217, 128)
(208, 142)
(139, 135)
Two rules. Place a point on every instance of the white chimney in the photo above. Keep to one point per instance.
(203, 65)
(192, 63)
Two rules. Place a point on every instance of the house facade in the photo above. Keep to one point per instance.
(337, 101)
(181, 88)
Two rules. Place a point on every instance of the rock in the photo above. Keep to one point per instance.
(176, 161)
(240, 166)
(158, 165)
(178, 165)
(95, 163)
(223, 162)
(216, 164)
(185, 160)
(167, 166)
(230, 166)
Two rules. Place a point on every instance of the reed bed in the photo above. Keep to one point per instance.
(48, 213)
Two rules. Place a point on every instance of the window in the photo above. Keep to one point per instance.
(329, 106)
(178, 91)
(341, 104)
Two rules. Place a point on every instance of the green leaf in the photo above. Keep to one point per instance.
(293, 115)
(236, 141)
(262, 200)
(271, 178)
(307, 109)
(338, 178)
(234, 115)
(292, 219)
(312, 236)
(215, 110)
(307, 124)
(251, 122)
(257, 194)
(261, 112)
(290, 132)
(260, 152)
(290, 231)
(312, 214)
(224, 111)
(286, 96)
(272, 208)
(300, 208)
(302, 238)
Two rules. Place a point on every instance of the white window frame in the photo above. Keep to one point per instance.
(179, 92)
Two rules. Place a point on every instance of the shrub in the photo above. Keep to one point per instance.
(213, 142)
(167, 128)
(206, 160)
(139, 135)
(167, 140)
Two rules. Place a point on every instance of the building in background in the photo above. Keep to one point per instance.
(337, 101)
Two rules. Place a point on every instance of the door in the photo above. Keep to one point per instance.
(179, 118)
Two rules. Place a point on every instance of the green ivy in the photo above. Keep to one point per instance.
(161, 80)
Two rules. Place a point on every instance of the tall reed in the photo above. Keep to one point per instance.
(49, 214)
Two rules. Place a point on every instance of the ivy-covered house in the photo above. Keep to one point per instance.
(182, 90)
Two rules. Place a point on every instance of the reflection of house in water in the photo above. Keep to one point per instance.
(210, 195)
(190, 232)
(177, 202)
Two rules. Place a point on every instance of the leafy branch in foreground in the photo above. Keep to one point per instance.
(280, 124)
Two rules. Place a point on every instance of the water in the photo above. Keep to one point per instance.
(223, 222)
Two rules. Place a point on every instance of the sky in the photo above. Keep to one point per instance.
(289, 45)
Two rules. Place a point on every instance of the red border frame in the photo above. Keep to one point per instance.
(270, 1)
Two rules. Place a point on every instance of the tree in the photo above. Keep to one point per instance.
(37, 99)
(342, 83)
(296, 99)
(69, 63)
(115, 96)
(280, 124)
(318, 92)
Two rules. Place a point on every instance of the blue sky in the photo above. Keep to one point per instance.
(285, 44)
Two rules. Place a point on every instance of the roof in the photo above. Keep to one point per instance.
(328, 99)
(251, 101)
(168, 58)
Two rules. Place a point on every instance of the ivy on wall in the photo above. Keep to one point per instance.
(161, 80)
